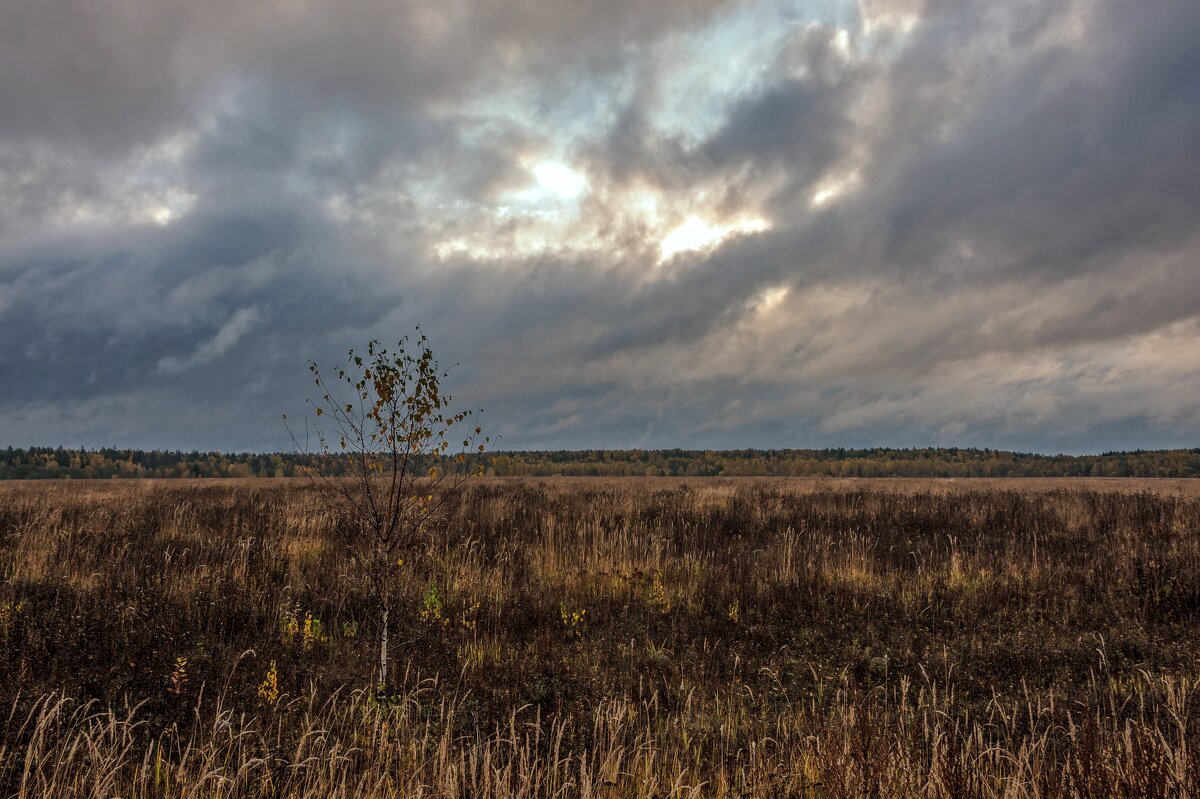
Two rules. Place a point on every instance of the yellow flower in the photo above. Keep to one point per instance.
(268, 690)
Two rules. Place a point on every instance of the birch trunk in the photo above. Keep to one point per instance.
(383, 649)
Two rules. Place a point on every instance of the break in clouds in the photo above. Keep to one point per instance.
(681, 223)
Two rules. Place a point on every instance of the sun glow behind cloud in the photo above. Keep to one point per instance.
(560, 180)
(699, 235)
(559, 212)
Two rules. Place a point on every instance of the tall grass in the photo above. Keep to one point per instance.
(741, 639)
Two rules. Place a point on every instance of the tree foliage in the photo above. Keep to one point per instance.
(386, 417)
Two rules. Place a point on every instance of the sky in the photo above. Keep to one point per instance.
(692, 223)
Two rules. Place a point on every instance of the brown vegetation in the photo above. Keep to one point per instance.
(606, 639)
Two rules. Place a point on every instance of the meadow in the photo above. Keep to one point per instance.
(607, 638)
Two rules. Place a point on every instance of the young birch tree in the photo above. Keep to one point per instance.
(389, 455)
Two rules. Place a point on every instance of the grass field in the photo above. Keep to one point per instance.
(608, 638)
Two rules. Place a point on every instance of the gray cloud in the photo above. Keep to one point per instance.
(229, 334)
(870, 223)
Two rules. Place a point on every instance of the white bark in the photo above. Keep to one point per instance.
(383, 650)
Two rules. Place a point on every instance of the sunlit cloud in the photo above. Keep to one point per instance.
(898, 17)
(770, 298)
(832, 188)
(168, 206)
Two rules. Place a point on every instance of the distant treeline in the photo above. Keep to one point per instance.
(46, 462)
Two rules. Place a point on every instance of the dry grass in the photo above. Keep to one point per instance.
(748, 638)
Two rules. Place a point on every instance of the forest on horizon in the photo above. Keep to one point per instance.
(104, 463)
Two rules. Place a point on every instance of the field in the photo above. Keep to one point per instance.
(607, 638)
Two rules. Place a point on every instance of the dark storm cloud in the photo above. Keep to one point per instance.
(1065, 157)
(162, 306)
(909, 222)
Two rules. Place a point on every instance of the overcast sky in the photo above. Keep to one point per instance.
(697, 223)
